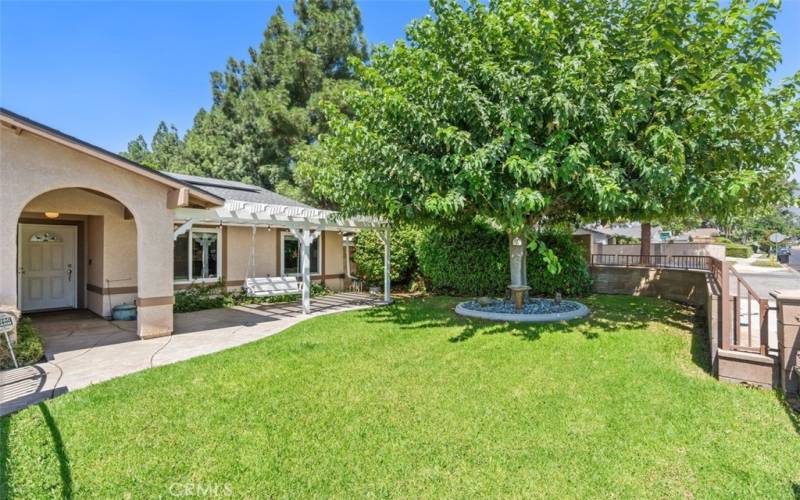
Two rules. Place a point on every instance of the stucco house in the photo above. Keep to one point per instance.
(84, 228)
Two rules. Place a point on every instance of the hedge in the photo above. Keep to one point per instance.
(368, 255)
(474, 261)
(736, 250)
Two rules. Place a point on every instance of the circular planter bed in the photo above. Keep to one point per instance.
(534, 311)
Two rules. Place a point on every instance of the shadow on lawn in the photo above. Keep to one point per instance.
(5, 431)
(700, 344)
(609, 313)
(64, 469)
(792, 409)
(58, 446)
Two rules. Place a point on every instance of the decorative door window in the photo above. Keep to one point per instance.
(44, 237)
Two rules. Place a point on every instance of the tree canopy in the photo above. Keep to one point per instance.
(527, 111)
(265, 107)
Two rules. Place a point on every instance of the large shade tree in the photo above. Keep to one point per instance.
(525, 112)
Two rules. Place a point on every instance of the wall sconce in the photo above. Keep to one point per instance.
(52, 215)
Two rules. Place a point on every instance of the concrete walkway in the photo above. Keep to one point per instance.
(82, 349)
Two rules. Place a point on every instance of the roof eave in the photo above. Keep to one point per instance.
(21, 123)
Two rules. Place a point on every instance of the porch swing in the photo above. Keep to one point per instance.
(267, 286)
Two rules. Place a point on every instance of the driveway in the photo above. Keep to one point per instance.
(83, 349)
(764, 280)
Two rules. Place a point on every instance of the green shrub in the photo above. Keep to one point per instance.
(474, 261)
(574, 278)
(723, 240)
(28, 349)
(627, 240)
(368, 255)
(737, 250)
(201, 296)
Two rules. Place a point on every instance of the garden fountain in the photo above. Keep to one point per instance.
(533, 310)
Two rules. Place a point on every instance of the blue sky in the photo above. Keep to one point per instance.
(108, 71)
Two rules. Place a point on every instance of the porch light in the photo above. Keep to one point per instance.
(52, 215)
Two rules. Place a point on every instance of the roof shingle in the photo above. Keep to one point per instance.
(238, 191)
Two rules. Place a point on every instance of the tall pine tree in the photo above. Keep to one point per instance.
(266, 108)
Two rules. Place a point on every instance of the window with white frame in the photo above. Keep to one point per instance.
(197, 256)
(290, 253)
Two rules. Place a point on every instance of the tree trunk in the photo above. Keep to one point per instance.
(517, 258)
(647, 233)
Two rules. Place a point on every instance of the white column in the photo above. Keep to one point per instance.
(305, 237)
(305, 269)
(387, 267)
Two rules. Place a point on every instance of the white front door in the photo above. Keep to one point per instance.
(47, 266)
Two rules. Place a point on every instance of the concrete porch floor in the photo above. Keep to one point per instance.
(83, 349)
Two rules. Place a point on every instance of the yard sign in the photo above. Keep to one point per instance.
(6, 325)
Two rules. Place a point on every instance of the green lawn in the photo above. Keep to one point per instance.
(411, 401)
(766, 263)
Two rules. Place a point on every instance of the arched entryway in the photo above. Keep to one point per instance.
(36, 160)
(76, 249)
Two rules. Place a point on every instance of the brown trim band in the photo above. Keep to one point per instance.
(154, 301)
(183, 286)
(111, 291)
(328, 276)
(318, 277)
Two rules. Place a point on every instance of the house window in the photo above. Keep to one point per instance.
(181, 258)
(290, 252)
(196, 256)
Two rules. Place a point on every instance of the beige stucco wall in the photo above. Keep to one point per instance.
(31, 166)
(237, 242)
(236, 253)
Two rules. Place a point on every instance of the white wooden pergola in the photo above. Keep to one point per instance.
(305, 224)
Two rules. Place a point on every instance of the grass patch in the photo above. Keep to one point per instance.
(28, 349)
(413, 401)
(766, 263)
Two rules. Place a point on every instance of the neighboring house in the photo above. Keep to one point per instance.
(82, 227)
(634, 230)
(703, 234)
(597, 235)
(606, 235)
